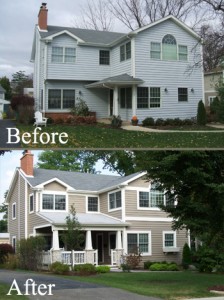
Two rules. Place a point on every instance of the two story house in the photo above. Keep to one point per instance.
(117, 214)
(212, 79)
(149, 72)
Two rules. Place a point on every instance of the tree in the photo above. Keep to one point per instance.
(20, 81)
(195, 180)
(201, 114)
(73, 236)
(5, 83)
(217, 5)
(79, 161)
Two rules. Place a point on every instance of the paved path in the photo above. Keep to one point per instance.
(4, 135)
(68, 289)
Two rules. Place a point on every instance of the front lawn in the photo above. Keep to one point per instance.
(101, 137)
(4, 289)
(165, 285)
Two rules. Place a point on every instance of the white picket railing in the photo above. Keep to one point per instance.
(113, 257)
(46, 257)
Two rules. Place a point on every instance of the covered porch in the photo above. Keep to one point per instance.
(122, 94)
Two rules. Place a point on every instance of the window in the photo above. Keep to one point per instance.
(154, 97)
(169, 47)
(104, 57)
(155, 50)
(151, 199)
(31, 203)
(182, 94)
(126, 97)
(211, 99)
(115, 200)
(142, 97)
(92, 203)
(182, 52)
(63, 55)
(53, 202)
(125, 51)
(169, 239)
(14, 211)
(14, 243)
(138, 243)
(61, 99)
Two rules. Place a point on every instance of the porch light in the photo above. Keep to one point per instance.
(192, 90)
(165, 90)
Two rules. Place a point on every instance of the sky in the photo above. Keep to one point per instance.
(17, 23)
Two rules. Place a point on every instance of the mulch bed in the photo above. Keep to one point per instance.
(219, 288)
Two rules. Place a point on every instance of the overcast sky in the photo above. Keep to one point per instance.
(17, 22)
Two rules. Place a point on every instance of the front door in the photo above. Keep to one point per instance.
(99, 242)
(111, 102)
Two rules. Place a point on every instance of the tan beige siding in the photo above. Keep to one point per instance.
(35, 221)
(55, 186)
(78, 201)
(104, 207)
(141, 182)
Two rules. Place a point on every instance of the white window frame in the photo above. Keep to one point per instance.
(125, 51)
(160, 98)
(63, 55)
(13, 210)
(87, 204)
(54, 193)
(61, 99)
(149, 253)
(148, 190)
(116, 208)
(31, 211)
(174, 239)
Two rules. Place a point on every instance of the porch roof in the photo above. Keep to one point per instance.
(119, 80)
(85, 219)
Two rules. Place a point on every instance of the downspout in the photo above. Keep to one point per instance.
(18, 210)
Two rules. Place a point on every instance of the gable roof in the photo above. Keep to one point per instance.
(80, 181)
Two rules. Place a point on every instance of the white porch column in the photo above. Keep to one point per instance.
(118, 240)
(134, 100)
(115, 97)
(55, 245)
(88, 240)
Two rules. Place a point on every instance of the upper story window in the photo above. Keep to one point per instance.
(53, 202)
(104, 57)
(92, 203)
(115, 200)
(182, 94)
(31, 203)
(151, 199)
(61, 99)
(125, 51)
(168, 49)
(63, 55)
(14, 211)
(126, 97)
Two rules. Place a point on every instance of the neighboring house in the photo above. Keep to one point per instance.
(149, 72)
(4, 104)
(211, 80)
(2, 93)
(117, 214)
(4, 238)
(28, 92)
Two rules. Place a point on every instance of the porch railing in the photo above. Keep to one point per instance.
(113, 257)
(46, 257)
(79, 257)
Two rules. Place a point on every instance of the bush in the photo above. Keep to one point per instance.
(148, 122)
(30, 252)
(102, 269)
(125, 267)
(59, 268)
(163, 266)
(201, 114)
(209, 260)
(116, 122)
(85, 269)
(159, 122)
(147, 264)
(11, 262)
(5, 249)
(24, 106)
(186, 256)
(80, 108)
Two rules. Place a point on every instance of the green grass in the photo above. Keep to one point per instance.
(4, 289)
(165, 285)
(100, 137)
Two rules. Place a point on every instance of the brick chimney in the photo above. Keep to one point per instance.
(42, 17)
(26, 163)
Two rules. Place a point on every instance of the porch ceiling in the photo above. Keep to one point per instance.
(85, 219)
(120, 80)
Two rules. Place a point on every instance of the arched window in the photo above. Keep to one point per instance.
(169, 47)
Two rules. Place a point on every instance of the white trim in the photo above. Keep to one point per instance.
(41, 186)
(54, 193)
(38, 227)
(141, 232)
(123, 204)
(149, 219)
(87, 202)
(108, 200)
(51, 37)
(133, 60)
(26, 208)
(174, 239)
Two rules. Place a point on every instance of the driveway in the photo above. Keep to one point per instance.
(4, 124)
(67, 289)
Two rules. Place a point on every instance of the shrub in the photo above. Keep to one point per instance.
(172, 267)
(102, 269)
(80, 108)
(159, 122)
(59, 268)
(11, 262)
(85, 269)
(116, 122)
(30, 252)
(148, 122)
(125, 267)
(201, 114)
(24, 107)
(209, 259)
(133, 260)
(5, 249)
(163, 266)
(186, 256)
(147, 264)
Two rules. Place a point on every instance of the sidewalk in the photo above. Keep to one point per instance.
(209, 298)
